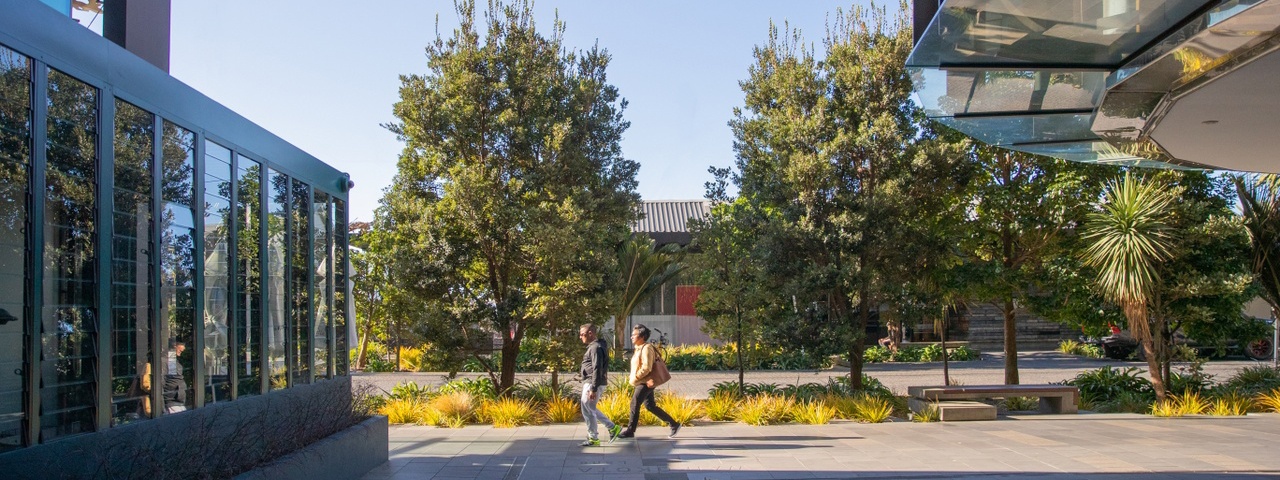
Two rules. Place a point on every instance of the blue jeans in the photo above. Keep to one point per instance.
(591, 413)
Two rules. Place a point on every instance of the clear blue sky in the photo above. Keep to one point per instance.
(324, 74)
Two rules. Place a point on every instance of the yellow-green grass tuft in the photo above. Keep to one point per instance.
(508, 412)
(812, 412)
(562, 410)
(721, 407)
(682, 410)
(407, 410)
(764, 409)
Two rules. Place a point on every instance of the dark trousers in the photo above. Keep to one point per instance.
(644, 395)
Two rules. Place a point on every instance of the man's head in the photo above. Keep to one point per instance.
(587, 333)
(639, 334)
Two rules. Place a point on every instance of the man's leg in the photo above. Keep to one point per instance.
(588, 411)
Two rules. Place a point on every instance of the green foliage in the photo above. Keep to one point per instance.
(1019, 404)
(410, 391)
(1087, 350)
(1106, 383)
(913, 353)
(511, 193)
(479, 388)
(1253, 380)
(721, 406)
(1127, 402)
(541, 391)
(765, 409)
(930, 414)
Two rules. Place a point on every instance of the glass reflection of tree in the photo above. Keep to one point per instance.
(131, 262)
(177, 261)
(300, 287)
(277, 346)
(320, 294)
(340, 285)
(248, 329)
(69, 322)
(15, 151)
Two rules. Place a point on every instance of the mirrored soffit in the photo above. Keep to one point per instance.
(1162, 83)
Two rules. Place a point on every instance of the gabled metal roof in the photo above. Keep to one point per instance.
(670, 216)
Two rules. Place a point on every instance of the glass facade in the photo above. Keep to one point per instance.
(147, 268)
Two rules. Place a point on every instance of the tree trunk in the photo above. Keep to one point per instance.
(946, 374)
(1137, 316)
(864, 317)
(895, 336)
(363, 358)
(738, 347)
(1010, 343)
(619, 323)
(507, 377)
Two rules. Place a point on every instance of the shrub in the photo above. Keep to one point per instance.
(619, 384)
(724, 388)
(870, 386)
(404, 410)
(682, 410)
(757, 389)
(929, 415)
(1125, 402)
(479, 388)
(1106, 383)
(1166, 408)
(1019, 404)
(410, 390)
(507, 412)
(411, 359)
(377, 364)
(764, 409)
(1231, 404)
(812, 412)
(1269, 401)
(456, 408)
(721, 406)
(541, 391)
(844, 406)
(872, 408)
(1253, 380)
(964, 353)
(808, 391)
(1191, 403)
(877, 354)
(562, 410)
(1069, 347)
(1091, 351)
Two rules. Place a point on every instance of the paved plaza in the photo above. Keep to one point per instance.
(1112, 446)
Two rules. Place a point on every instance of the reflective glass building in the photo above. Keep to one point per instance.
(1167, 83)
(159, 254)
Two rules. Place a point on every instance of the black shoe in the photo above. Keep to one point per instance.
(674, 430)
(627, 435)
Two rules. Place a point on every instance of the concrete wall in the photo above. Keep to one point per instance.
(348, 454)
(219, 440)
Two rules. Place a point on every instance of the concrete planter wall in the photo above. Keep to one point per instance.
(350, 453)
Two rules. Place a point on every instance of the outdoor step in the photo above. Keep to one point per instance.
(955, 410)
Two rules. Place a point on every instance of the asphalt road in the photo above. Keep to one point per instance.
(1033, 368)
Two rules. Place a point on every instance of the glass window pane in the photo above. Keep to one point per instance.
(15, 279)
(217, 270)
(248, 315)
(131, 286)
(299, 283)
(958, 92)
(321, 246)
(177, 270)
(69, 317)
(342, 355)
(278, 214)
(1083, 32)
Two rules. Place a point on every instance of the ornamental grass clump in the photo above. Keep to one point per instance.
(1166, 408)
(1269, 401)
(1231, 404)
(1192, 403)
(764, 409)
(562, 410)
(812, 412)
(403, 410)
(682, 410)
(930, 414)
(872, 408)
(456, 408)
(508, 412)
(721, 407)
(616, 406)
(845, 406)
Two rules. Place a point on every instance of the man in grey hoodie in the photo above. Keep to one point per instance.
(595, 377)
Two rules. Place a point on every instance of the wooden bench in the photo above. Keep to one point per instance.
(1053, 398)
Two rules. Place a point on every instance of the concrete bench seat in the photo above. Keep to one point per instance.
(1053, 398)
(955, 410)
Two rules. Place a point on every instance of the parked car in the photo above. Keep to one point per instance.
(1122, 346)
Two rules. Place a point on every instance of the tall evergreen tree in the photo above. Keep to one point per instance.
(512, 183)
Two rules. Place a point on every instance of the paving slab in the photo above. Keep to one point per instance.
(1048, 447)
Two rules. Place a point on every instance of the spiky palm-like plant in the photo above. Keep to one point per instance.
(1126, 238)
(1260, 207)
(644, 270)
